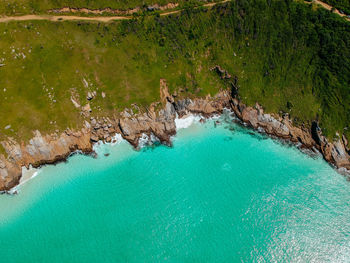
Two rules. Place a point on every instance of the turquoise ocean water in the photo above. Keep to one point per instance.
(221, 194)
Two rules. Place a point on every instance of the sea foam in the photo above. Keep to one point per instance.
(187, 121)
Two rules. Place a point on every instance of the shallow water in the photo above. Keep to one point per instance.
(221, 194)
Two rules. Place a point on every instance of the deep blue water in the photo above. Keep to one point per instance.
(220, 194)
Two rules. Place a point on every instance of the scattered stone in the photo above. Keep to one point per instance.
(90, 96)
(87, 108)
(7, 127)
(75, 103)
(87, 124)
(97, 126)
(86, 84)
(94, 138)
(126, 114)
(103, 95)
(152, 7)
(93, 122)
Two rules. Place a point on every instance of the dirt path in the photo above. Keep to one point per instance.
(328, 7)
(62, 18)
(105, 19)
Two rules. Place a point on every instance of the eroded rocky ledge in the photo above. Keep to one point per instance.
(48, 149)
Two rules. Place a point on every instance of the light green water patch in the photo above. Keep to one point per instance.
(220, 194)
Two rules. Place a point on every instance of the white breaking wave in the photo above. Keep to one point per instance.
(117, 139)
(146, 140)
(186, 121)
(27, 175)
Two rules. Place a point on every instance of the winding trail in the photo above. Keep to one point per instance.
(62, 18)
(106, 19)
(328, 7)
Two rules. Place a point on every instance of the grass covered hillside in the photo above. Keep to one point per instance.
(286, 56)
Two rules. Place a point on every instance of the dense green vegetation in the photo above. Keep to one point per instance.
(286, 56)
(343, 5)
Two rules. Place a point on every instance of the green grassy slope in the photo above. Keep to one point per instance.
(286, 57)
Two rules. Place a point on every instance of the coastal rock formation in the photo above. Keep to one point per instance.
(40, 150)
(282, 127)
(52, 148)
(161, 125)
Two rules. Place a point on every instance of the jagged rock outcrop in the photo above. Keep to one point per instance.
(221, 72)
(49, 149)
(335, 153)
(52, 148)
(40, 150)
(209, 106)
(161, 125)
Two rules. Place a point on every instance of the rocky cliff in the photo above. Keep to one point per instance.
(48, 149)
(336, 153)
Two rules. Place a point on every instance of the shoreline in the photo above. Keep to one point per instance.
(181, 123)
(145, 128)
(27, 175)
